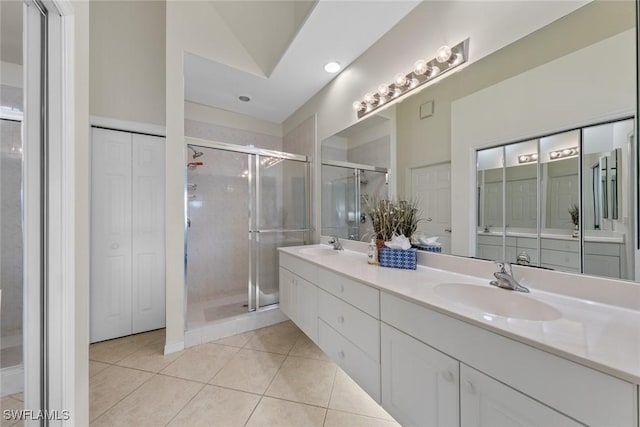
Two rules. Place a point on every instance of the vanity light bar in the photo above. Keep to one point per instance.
(528, 158)
(564, 153)
(423, 71)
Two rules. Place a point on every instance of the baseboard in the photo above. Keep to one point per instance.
(12, 379)
(173, 347)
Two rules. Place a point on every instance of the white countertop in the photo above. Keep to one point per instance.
(600, 336)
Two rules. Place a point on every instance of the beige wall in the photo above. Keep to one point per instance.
(217, 116)
(127, 41)
(81, 99)
(428, 141)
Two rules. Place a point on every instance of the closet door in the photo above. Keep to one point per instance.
(148, 291)
(110, 234)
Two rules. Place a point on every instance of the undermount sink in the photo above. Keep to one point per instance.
(497, 301)
(319, 251)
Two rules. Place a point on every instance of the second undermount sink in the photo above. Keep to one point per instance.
(318, 251)
(496, 301)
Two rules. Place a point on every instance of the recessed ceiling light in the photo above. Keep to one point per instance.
(332, 67)
(244, 98)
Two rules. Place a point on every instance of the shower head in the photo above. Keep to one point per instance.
(196, 153)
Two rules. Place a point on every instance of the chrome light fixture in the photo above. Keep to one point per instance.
(446, 59)
(528, 158)
(564, 153)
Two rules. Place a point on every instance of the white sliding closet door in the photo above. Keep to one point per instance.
(148, 291)
(110, 234)
(127, 234)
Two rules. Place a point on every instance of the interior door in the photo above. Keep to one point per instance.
(148, 279)
(280, 219)
(431, 188)
(111, 239)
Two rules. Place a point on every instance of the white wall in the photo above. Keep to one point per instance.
(569, 92)
(10, 74)
(127, 52)
(82, 176)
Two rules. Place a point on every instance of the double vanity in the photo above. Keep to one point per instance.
(439, 348)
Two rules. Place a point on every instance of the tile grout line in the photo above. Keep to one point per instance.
(253, 411)
(333, 385)
(124, 397)
(186, 404)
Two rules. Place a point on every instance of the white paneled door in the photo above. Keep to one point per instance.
(127, 234)
(431, 188)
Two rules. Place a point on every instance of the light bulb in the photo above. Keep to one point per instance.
(370, 99)
(534, 156)
(457, 58)
(383, 89)
(443, 54)
(566, 151)
(420, 67)
(358, 106)
(413, 83)
(396, 92)
(400, 80)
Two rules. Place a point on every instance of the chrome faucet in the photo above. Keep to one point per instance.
(506, 279)
(335, 241)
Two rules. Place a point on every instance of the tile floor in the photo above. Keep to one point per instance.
(274, 376)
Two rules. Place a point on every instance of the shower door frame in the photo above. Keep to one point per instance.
(253, 182)
(357, 167)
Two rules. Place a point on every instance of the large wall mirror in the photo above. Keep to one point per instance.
(355, 171)
(561, 201)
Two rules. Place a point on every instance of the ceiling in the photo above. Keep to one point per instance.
(289, 41)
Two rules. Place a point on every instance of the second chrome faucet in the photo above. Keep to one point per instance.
(505, 280)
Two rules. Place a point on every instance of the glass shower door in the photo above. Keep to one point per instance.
(280, 218)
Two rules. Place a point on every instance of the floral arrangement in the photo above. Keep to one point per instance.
(574, 211)
(393, 217)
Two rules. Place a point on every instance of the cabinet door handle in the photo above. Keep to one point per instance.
(340, 319)
(341, 354)
(115, 246)
(470, 387)
(448, 376)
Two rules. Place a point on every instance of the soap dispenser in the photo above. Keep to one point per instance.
(372, 255)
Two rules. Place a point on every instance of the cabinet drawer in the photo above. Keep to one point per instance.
(355, 325)
(560, 258)
(560, 245)
(527, 243)
(304, 269)
(490, 240)
(587, 395)
(357, 294)
(360, 367)
(597, 248)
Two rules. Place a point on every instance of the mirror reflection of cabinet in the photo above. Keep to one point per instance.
(547, 221)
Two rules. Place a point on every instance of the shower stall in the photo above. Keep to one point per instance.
(347, 189)
(242, 204)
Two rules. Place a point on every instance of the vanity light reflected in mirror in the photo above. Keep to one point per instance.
(526, 206)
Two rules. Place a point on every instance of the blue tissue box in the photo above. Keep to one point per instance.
(398, 258)
(428, 248)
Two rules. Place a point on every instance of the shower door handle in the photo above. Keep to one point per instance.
(189, 222)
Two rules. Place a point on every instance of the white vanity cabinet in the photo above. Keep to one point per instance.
(419, 384)
(429, 368)
(485, 402)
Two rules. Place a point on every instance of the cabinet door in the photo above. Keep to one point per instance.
(148, 279)
(110, 234)
(488, 403)
(307, 308)
(287, 293)
(419, 384)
